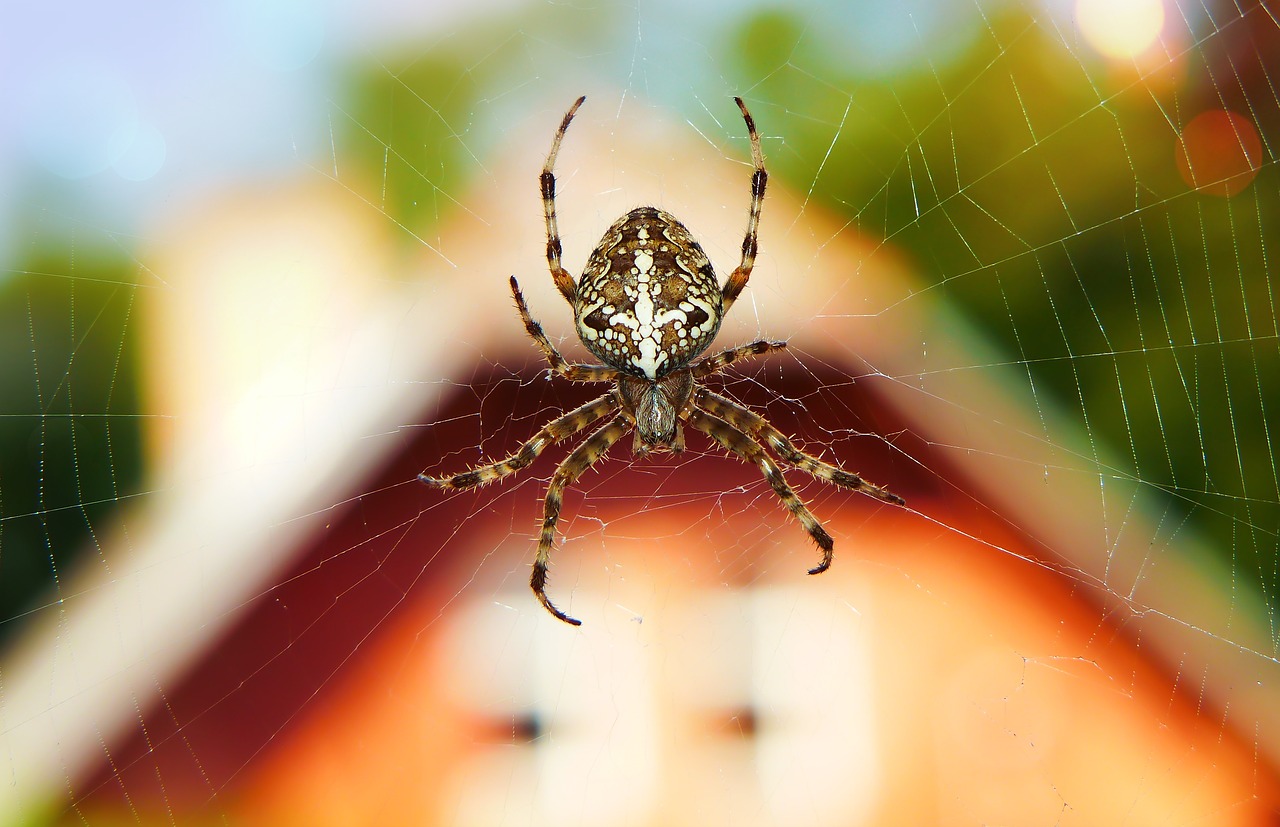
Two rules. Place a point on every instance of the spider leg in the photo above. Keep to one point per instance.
(574, 373)
(737, 442)
(717, 363)
(757, 427)
(557, 429)
(738, 278)
(582, 458)
(564, 281)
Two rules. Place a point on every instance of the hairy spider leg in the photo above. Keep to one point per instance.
(557, 429)
(561, 367)
(759, 428)
(582, 458)
(564, 281)
(717, 363)
(738, 278)
(735, 441)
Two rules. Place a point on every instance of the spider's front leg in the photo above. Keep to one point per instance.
(582, 458)
(738, 443)
(757, 427)
(557, 429)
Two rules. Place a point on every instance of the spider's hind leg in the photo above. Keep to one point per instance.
(547, 182)
(750, 245)
(574, 373)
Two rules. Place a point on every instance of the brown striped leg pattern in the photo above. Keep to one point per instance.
(738, 278)
(574, 373)
(736, 442)
(564, 282)
(722, 360)
(759, 428)
(578, 419)
(582, 458)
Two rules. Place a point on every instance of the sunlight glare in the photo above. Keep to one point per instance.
(1120, 29)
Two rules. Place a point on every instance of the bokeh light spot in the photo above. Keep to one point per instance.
(282, 34)
(1121, 29)
(145, 155)
(1219, 153)
(78, 120)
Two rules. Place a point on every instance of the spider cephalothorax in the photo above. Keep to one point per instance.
(648, 305)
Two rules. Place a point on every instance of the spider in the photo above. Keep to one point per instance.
(648, 305)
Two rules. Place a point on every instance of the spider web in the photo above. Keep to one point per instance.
(255, 282)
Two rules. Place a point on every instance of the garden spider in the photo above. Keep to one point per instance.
(647, 305)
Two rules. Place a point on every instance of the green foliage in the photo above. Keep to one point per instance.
(408, 129)
(414, 126)
(70, 435)
(1037, 190)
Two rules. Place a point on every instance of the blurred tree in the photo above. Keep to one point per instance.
(70, 447)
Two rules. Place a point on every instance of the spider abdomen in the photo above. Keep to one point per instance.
(649, 301)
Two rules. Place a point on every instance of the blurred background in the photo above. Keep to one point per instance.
(253, 266)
